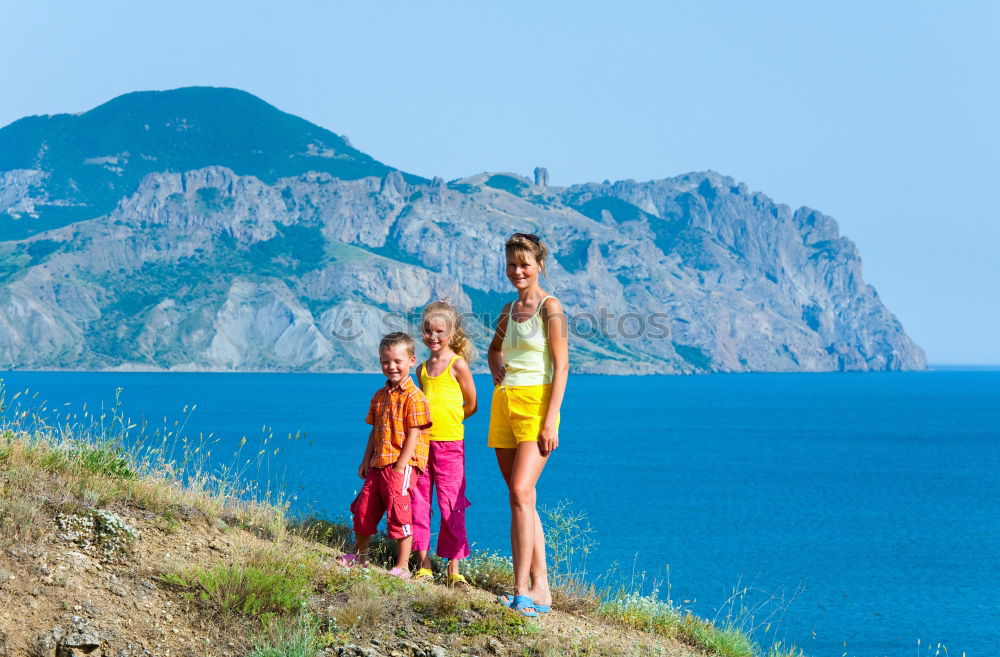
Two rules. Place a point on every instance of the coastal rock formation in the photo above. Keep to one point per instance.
(296, 252)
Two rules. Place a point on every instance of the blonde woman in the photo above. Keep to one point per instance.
(529, 361)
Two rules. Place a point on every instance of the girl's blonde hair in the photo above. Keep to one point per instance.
(459, 342)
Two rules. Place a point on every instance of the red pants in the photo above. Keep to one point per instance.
(383, 491)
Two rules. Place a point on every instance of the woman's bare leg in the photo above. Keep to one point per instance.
(521, 469)
(540, 591)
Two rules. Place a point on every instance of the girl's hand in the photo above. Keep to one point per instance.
(548, 439)
(363, 469)
(499, 375)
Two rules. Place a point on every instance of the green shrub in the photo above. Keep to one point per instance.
(296, 637)
(497, 621)
(650, 614)
(455, 614)
(569, 539)
(727, 642)
(643, 612)
(98, 531)
(265, 584)
(490, 571)
(440, 611)
(102, 460)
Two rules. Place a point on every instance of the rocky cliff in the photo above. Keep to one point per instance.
(204, 229)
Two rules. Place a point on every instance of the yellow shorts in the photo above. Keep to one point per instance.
(517, 413)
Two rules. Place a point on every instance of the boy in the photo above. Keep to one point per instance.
(398, 442)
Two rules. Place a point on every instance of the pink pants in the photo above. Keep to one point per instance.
(446, 471)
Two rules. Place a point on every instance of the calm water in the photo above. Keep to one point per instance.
(870, 498)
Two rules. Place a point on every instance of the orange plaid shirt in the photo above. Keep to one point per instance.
(393, 412)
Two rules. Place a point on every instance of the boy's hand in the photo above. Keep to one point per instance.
(363, 469)
(548, 439)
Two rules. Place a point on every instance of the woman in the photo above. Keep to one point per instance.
(528, 358)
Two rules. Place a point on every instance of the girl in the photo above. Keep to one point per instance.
(528, 358)
(446, 379)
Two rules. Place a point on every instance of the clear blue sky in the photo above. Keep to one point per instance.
(885, 115)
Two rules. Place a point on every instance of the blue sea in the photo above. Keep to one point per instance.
(859, 511)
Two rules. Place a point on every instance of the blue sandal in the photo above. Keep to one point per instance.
(506, 599)
(523, 605)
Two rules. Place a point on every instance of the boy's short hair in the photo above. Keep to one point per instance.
(394, 339)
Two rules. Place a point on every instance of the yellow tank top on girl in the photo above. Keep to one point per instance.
(447, 403)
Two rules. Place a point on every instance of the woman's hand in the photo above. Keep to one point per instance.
(548, 439)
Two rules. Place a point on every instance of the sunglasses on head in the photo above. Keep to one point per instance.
(529, 237)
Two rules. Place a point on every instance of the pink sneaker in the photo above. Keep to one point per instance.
(401, 573)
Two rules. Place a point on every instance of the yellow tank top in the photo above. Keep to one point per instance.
(447, 403)
(526, 354)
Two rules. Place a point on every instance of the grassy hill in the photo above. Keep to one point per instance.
(111, 547)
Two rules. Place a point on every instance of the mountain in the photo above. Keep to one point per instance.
(91, 160)
(202, 228)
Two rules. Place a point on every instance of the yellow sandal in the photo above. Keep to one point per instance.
(424, 575)
(457, 581)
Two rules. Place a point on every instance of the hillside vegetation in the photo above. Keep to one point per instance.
(116, 541)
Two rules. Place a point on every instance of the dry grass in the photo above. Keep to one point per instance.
(295, 637)
(367, 600)
(74, 461)
(39, 477)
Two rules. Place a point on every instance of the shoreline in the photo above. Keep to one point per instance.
(142, 369)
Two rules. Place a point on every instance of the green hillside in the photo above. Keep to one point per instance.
(96, 158)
